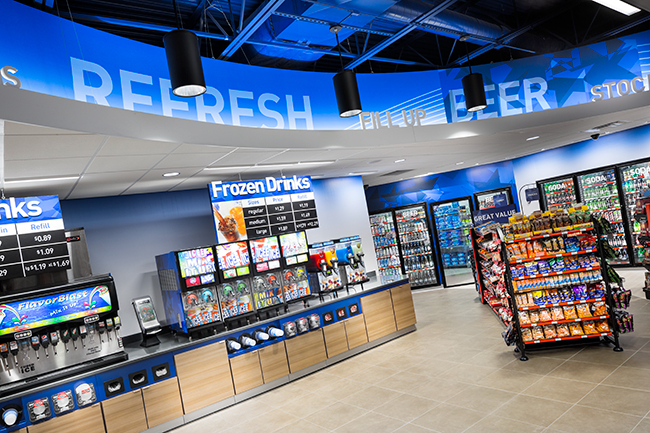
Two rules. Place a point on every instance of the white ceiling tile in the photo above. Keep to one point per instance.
(41, 168)
(246, 157)
(103, 184)
(60, 188)
(186, 148)
(196, 160)
(13, 128)
(50, 146)
(129, 146)
(106, 164)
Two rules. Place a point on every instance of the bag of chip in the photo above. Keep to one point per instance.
(583, 311)
(598, 309)
(602, 326)
(534, 316)
(544, 315)
(566, 294)
(524, 318)
(538, 333)
(552, 296)
(569, 312)
(563, 330)
(557, 314)
(527, 334)
(539, 297)
(589, 327)
(580, 292)
(575, 329)
(549, 332)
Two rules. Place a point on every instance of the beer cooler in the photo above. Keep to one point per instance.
(635, 179)
(189, 290)
(452, 225)
(599, 191)
(558, 193)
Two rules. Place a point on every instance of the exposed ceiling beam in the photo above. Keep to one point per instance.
(329, 23)
(259, 17)
(221, 37)
(503, 40)
(400, 34)
(196, 15)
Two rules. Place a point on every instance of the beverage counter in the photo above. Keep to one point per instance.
(162, 387)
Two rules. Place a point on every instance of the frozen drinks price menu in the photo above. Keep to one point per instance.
(262, 208)
(32, 237)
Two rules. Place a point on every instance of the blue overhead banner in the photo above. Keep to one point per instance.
(43, 53)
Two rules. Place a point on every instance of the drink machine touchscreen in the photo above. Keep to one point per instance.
(235, 292)
(267, 282)
(350, 254)
(295, 279)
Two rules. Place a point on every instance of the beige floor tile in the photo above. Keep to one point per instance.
(316, 381)
(628, 377)
(432, 367)
(492, 359)
(581, 419)
(624, 400)
(336, 415)
(643, 426)
(403, 381)
(554, 388)
(560, 353)
(602, 355)
(533, 410)
(279, 396)
(269, 422)
(406, 407)
(481, 399)
(371, 423)
(632, 342)
(373, 357)
(343, 388)
(585, 371)
(308, 404)
(448, 419)
(397, 346)
(535, 364)
(495, 424)
(439, 389)
(299, 426)
(346, 368)
(468, 373)
(639, 360)
(402, 362)
(206, 424)
(412, 428)
(372, 397)
(373, 374)
(457, 354)
(507, 380)
(240, 412)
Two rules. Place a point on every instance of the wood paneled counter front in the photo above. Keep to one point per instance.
(185, 380)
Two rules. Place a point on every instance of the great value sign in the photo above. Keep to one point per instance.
(262, 208)
(499, 215)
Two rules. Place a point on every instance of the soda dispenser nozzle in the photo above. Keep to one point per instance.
(36, 343)
(4, 352)
(54, 339)
(13, 348)
(323, 266)
(45, 341)
(109, 328)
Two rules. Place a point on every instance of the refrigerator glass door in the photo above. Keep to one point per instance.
(416, 248)
(599, 191)
(487, 200)
(635, 180)
(559, 194)
(385, 241)
(453, 224)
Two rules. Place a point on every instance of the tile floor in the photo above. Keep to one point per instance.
(455, 374)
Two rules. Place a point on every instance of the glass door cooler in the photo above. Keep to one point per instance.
(558, 193)
(382, 226)
(453, 222)
(635, 179)
(599, 191)
(415, 244)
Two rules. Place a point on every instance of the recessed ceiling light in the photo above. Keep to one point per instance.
(542, 149)
(49, 179)
(269, 166)
(463, 134)
(361, 173)
(460, 163)
(619, 6)
(171, 174)
(400, 160)
(532, 138)
(476, 163)
(425, 174)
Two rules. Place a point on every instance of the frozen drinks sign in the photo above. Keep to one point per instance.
(261, 208)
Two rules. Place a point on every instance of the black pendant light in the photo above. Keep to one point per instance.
(184, 61)
(345, 85)
(473, 86)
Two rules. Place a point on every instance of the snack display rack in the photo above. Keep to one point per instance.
(490, 270)
(562, 289)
